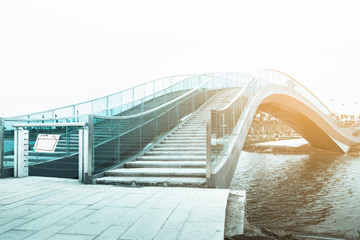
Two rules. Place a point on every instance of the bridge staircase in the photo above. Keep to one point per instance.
(178, 160)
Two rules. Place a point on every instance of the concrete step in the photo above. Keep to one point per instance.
(186, 145)
(166, 164)
(193, 129)
(153, 181)
(178, 148)
(193, 125)
(175, 153)
(175, 137)
(189, 134)
(172, 158)
(190, 131)
(160, 172)
(184, 142)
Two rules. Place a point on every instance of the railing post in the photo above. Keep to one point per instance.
(107, 105)
(2, 141)
(157, 127)
(21, 168)
(177, 114)
(90, 161)
(83, 155)
(208, 145)
(67, 137)
(73, 107)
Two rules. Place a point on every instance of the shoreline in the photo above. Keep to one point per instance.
(272, 146)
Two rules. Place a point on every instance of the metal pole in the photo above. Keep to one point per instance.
(21, 168)
(90, 149)
(81, 155)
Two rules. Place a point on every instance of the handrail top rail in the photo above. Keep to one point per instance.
(272, 70)
(235, 98)
(168, 103)
(73, 124)
(95, 99)
(188, 76)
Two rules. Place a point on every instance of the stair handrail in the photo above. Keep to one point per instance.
(170, 102)
(23, 116)
(20, 118)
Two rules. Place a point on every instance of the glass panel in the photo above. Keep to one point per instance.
(83, 108)
(115, 100)
(139, 92)
(159, 85)
(127, 96)
(149, 88)
(99, 105)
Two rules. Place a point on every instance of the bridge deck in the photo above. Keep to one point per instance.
(51, 208)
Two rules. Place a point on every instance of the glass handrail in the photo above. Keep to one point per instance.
(119, 139)
(106, 102)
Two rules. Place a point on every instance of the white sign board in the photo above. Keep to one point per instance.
(46, 143)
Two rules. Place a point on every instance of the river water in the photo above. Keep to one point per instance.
(317, 194)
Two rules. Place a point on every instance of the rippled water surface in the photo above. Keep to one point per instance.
(315, 194)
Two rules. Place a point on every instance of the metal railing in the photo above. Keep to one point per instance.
(123, 138)
(120, 135)
(75, 164)
(116, 101)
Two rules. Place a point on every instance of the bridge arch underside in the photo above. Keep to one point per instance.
(295, 114)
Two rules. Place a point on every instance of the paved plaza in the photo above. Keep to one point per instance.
(51, 208)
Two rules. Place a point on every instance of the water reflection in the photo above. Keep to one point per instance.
(312, 194)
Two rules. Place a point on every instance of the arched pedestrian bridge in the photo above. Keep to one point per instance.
(177, 131)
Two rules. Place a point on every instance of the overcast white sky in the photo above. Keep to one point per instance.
(56, 53)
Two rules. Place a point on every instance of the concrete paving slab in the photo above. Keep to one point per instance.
(46, 233)
(201, 231)
(97, 222)
(12, 234)
(20, 211)
(112, 233)
(51, 218)
(71, 237)
(148, 225)
(52, 208)
(167, 235)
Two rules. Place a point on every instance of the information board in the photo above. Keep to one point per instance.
(46, 143)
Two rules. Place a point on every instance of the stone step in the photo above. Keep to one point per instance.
(189, 134)
(175, 153)
(193, 129)
(154, 181)
(172, 158)
(186, 144)
(166, 164)
(160, 172)
(178, 148)
(190, 131)
(175, 137)
(192, 125)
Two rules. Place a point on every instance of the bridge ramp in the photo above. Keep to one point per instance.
(178, 160)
